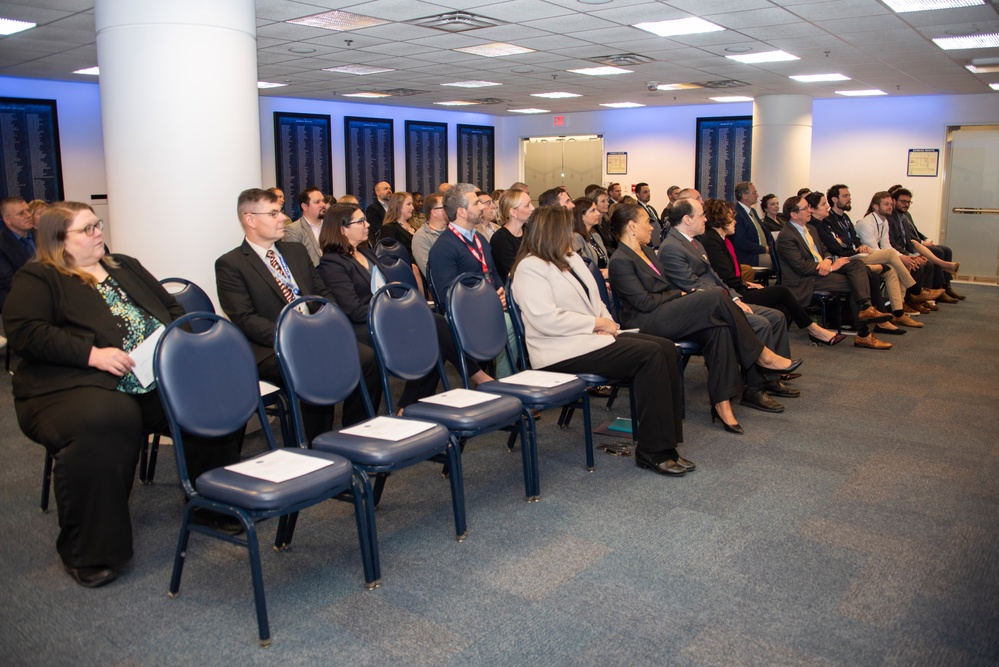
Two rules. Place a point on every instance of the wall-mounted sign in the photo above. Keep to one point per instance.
(30, 164)
(724, 155)
(426, 156)
(303, 154)
(923, 162)
(369, 155)
(617, 163)
(477, 156)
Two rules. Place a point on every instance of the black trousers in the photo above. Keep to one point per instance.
(711, 319)
(947, 255)
(779, 298)
(650, 363)
(95, 436)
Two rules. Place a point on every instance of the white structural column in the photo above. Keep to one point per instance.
(181, 127)
(782, 144)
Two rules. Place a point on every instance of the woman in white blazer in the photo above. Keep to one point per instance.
(568, 329)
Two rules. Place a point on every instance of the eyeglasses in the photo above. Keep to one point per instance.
(355, 222)
(89, 229)
(801, 210)
(273, 214)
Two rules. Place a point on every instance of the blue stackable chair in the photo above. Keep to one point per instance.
(392, 248)
(207, 382)
(479, 331)
(405, 341)
(303, 343)
(397, 270)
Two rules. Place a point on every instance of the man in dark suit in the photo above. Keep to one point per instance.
(643, 193)
(751, 240)
(688, 268)
(256, 280)
(806, 266)
(375, 213)
(17, 241)
(939, 256)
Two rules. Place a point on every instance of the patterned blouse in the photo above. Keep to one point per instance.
(135, 324)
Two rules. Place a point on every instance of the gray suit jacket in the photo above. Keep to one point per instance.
(798, 268)
(687, 267)
(300, 232)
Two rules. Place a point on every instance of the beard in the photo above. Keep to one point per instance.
(847, 208)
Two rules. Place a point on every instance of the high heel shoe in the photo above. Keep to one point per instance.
(738, 430)
(838, 338)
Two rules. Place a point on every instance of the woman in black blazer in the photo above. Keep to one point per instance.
(652, 304)
(73, 316)
(720, 224)
(351, 273)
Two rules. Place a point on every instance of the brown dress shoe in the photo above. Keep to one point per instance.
(870, 342)
(932, 294)
(944, 298)
(929, 306)
(910, 310)
(921, 297)
(872, 314)
(906, 321)
(954, 295)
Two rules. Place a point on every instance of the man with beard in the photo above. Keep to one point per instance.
(938, 255)
(305, 230)
(375, 213)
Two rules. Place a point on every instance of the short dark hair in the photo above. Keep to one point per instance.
(303, 196)
(804, 191)
(833, 192)
(639, 186)
(742, 189)
(549, 197)
(548, 237)
(252, 196)
(717, 212)
(877, 199)
(901, 192)
(766, 200)
(791, 205)
(622, 215)
(680, 209)
(893, 188)
(814, 199)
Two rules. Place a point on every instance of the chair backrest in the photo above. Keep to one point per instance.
(397, 270)
(207, 382)
(388, 247)
(476, 317)
(613, 307)
(775, 260)
(317, 352)
(433, 292)
(192, 299)
(404, 335)
(523, 363)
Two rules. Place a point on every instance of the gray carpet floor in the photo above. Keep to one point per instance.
(861, 527)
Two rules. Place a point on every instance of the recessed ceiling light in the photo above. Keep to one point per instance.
(495, 49)
(301, 49)
(601, 71)
(456, 103)
(529, 110)
(689, 26)
(994, 86)
(91, 71)
(677, 86)
(816, 78)
(268, 84)
(366, 95)
(984, 41)
(861, 93)
(472, 84)
(11, 26)
(359, 70)
(985, 69)
(732, 98)
(765, 57)
(622, 105)
(338, 20)
(555, 96)
(901, 6)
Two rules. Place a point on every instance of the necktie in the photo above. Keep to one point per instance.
(28, 244)
(811, 244)
(283, 284)
(759, 227)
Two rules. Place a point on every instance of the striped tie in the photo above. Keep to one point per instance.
(285, 290)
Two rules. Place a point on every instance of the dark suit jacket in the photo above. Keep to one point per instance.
(721, 261)
(901, 233)
(12, 257)
(798, 268)
(349, 282)
(54, 320)
(394, 230)
(656, 220)
(839, 237)
(687, 267)
(640, 289)
(375, 213)
(250, 296)
(746, 240)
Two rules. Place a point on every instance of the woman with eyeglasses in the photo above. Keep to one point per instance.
(73, 316)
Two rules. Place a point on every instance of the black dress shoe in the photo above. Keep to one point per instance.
(890, 332)
(689, 465)
(758, 399)
(795, 363)
(91, 577)
(778, 388)
(223, 523)
(787, 377)
(667, 467)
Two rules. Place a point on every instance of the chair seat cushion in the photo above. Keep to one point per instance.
(687, 347)
(538, 397)
(486, 416)
(260, 494)
(365, 451)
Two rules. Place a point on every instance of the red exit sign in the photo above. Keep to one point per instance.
(559, 121)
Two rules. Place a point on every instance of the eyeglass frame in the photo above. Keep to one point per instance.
(89, 229)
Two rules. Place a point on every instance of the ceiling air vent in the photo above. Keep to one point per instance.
(489, 100)
(621, 59)
(722, 83)
(402, 92)
(455, 22)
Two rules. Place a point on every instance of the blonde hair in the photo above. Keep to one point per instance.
(395, 207)
(508, 200)
(50, 240)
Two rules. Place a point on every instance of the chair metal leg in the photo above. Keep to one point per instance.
(634, 413)
(46, 481)
(681, 362)
(181, 555)
(367, 533)
(566, 416)
(588, 431)
(529, 451)
(256, 574)
(380, 479)
(457, 490)
(147, 459)
(613, 396)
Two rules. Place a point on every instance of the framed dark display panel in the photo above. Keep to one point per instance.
(724, 155)
(477, 156)
(369, 155)
(426, 156)
(304, 156)
(31, 165)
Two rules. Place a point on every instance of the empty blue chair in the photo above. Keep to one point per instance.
(320, 365)
(208, 385)
(388, 247)
(397, 270)
(405, 341)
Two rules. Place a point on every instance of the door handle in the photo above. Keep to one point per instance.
(975, 211)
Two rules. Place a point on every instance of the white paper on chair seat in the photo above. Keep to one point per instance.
(539, 378)
(460, 398)
(386, 428)
(279, 466)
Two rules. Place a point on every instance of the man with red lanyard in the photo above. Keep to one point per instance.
(460, 249)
